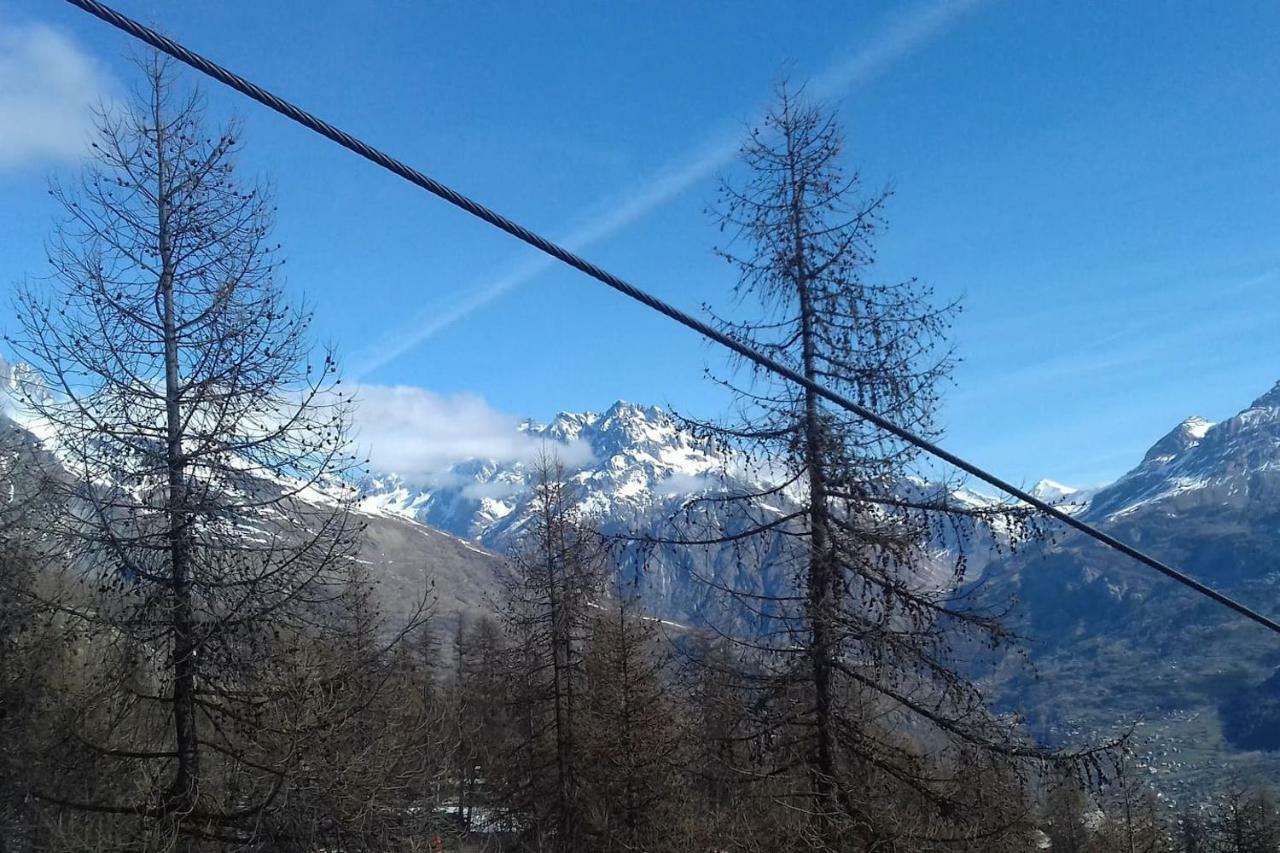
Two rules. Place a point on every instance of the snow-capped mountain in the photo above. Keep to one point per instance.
(1069, 499)
(1197, 461)
(1052, 491)
(1112, 639)
(625, 464)
(1201, 462)
(633, 469)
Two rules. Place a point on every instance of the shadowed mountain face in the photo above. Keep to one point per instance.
(633, 470)
(410, 562)
(1115, 641)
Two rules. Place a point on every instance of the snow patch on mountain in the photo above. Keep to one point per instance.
(1224, 463)
(1069, 499)
(639, 461)
(1051, 491)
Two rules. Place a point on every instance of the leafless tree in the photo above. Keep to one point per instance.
(547, 610)
(634, 747)
(204, 503)
(1245, 820)
(1066, 818)
(1133, 818)
(31, 649)
(479, 716)
(862, 705)
(363, 740)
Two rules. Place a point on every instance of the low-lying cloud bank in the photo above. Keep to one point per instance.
(420, 434)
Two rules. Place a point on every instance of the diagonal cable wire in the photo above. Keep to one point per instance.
(413, 176)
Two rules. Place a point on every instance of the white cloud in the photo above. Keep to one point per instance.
(48, 86)
(497, 489)
(686, 484)
(419, 434)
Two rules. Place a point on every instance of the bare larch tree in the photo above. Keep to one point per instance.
(204, 451)
(633, 744)
(866, 719)
(546, 608)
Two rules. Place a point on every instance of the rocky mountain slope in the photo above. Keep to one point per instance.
(410, 560)
(1114, 644)
(1114, 641)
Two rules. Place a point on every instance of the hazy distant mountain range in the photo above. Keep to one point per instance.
(1113, 643)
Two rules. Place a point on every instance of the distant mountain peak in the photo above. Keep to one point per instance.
(1199, 461)
(1047, 486)
(1069, 499)
(626, 461)
(1196, 426)
(1269, 400)
(565, 426)
(631, 419)
(1184, 436)
(1052, 490)
(625, 409)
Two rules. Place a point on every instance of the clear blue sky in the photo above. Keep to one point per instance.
(1100, 182)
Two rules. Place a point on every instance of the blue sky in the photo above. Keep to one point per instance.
(1099, 182)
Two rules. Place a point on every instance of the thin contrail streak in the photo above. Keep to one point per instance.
(902, 36)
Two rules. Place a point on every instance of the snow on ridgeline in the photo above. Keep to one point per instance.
(640, 459)
(642, 465)
(1224, 463)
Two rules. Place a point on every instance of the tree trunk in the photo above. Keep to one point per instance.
(186, 782)
(560, 651)
(820, 581)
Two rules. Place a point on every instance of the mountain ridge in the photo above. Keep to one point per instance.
(1112, 639)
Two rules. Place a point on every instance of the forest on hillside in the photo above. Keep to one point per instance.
(193, 659)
